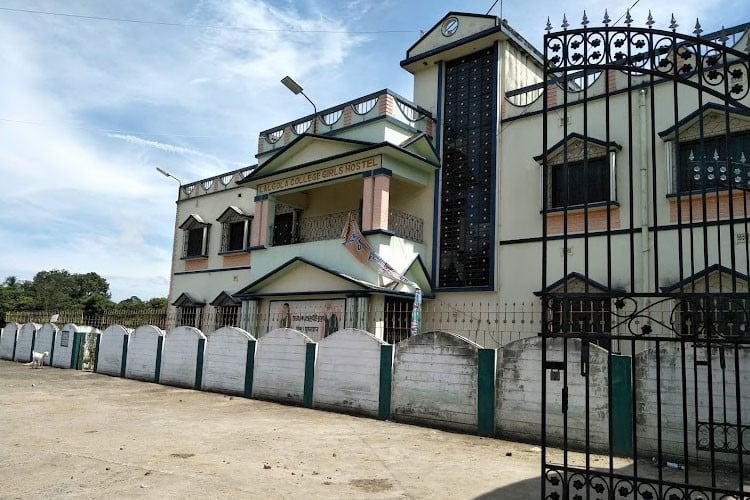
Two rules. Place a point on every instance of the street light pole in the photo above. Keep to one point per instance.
(296, 88)
(167, 174)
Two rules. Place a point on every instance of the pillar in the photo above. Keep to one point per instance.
(381, 201)
(249, 316)
(259, 233)
(376, 192)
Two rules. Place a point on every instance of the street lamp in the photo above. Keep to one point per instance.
(297, 89)
(167, 174)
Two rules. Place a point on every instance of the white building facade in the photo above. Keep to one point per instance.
(493, 186)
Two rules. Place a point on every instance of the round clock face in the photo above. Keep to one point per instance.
(450, 26)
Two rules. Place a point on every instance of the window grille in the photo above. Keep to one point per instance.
(467, 177)
(705, 164)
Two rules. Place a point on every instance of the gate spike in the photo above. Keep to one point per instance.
(742, 158)
(628, 18)
(723, 36)
(548, 28)
(650, 20)
(585, 20)
(716, 154)
(698, 30)
(606, 19)
(565, 22)
(673, 23)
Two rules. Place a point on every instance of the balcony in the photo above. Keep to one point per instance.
(329, 227)
(362, 110)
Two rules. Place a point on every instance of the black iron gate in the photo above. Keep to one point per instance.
(645, 261)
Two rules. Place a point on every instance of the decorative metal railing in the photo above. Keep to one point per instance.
(324, 227)
(491, 324)
(383, 103)
(329, 226)
(407, 226)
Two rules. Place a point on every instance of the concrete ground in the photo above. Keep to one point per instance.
(73, 434)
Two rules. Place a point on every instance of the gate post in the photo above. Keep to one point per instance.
(622, 406)
(486, 367)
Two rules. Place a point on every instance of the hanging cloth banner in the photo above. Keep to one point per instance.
(357, 244)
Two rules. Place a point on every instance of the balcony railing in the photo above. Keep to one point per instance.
(329, 226)
(324, 227)
(406, 226)
(363, 109)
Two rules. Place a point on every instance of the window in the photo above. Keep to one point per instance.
(235, 238)
(286, 225)
(189, 311)
(579, 183)
(580, 172)
(227, 315)
(707, 165)
(195, 237)
(194, 246)
(189, 316)
(397, 319)
(227, 310)
(235, 230)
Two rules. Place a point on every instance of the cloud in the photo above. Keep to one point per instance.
(171, 148)
(286, 43)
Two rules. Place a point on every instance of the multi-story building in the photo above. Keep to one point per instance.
(614, 171)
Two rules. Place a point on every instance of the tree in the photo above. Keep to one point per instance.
(131, 303)
(14, 294)
(55, 290)
(158, 303)
(89, 284)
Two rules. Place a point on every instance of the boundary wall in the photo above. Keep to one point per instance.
(436, 379)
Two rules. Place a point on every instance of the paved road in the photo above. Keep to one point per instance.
(72, 434)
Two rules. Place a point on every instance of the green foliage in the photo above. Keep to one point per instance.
(131, 303)
(14, 296)
(158, 303)
(60, 290)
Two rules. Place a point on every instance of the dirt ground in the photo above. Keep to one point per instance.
(73, 434)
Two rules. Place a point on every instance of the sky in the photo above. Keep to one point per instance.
(95, 94)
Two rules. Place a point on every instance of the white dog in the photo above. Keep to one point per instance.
(37, 359)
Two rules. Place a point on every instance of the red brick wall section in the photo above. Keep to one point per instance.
(740, 207)
(551, 95)
(196, 264)
(612, 79)
(597, 220)
(385, 105)
(236, 260)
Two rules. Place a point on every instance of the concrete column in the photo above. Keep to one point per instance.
(249, 315)
(362, 307)
(350, 320)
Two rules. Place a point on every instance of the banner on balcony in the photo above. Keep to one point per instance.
(357, 244)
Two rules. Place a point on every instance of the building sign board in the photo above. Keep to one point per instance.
(322, 174)
(315, 318)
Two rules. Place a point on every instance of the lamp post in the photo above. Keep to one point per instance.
(167, 174)
(173, 267)
(297, 89)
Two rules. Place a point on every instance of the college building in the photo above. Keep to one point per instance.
(601, 186)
